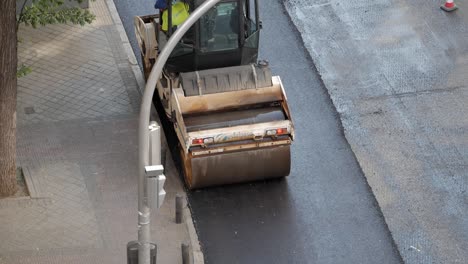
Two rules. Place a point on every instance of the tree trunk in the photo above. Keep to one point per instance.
(8, 65)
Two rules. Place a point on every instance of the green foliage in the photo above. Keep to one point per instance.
(44, 12)
(23, 71)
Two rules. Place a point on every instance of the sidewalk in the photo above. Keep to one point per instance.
(396, 71)
(77, 118)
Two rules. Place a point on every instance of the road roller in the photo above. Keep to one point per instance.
(229, 113)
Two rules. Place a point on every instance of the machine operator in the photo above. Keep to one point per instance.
(180, 12)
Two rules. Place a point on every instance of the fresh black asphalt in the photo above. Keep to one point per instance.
(324, 212)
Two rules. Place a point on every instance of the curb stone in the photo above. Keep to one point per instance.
(197, 254)
(126, 43)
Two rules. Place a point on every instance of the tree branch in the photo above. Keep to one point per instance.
(44, 12)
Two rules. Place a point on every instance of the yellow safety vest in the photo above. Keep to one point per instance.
(180, 12)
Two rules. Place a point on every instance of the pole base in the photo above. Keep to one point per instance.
(132, 252)
(449, 9)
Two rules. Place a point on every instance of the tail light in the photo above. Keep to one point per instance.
(202, 141)
(276, 132)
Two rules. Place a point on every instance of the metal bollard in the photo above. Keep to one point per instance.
(178, 208)
(185, 253)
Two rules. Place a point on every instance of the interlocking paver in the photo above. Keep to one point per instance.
(74, 70)
(77, 117)
(50, 50)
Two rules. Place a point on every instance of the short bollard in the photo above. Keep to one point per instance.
(178, 208)
(185, 253)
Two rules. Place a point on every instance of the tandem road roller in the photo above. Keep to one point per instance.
(229, 113)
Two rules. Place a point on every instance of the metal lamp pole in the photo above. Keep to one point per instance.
(143, 131)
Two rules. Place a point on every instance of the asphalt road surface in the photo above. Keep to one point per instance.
(400, 80)
(324, 212)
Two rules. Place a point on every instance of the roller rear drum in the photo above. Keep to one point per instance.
(235, 167)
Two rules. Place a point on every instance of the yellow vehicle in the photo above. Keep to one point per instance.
(230, 114)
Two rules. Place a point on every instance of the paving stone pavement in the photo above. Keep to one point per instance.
(77, 141)
(76, 71)
(63, 217)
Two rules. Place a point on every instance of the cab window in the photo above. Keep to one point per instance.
(219, 28)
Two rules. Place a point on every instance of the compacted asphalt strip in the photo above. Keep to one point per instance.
(324, 212)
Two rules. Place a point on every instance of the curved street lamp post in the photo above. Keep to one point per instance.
(145, 171)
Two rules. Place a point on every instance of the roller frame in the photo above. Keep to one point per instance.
(275, 156)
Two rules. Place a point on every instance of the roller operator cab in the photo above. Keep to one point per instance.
(230, 114)
(227, 35)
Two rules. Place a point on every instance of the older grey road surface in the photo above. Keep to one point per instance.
(324, 212)
(397, 72)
